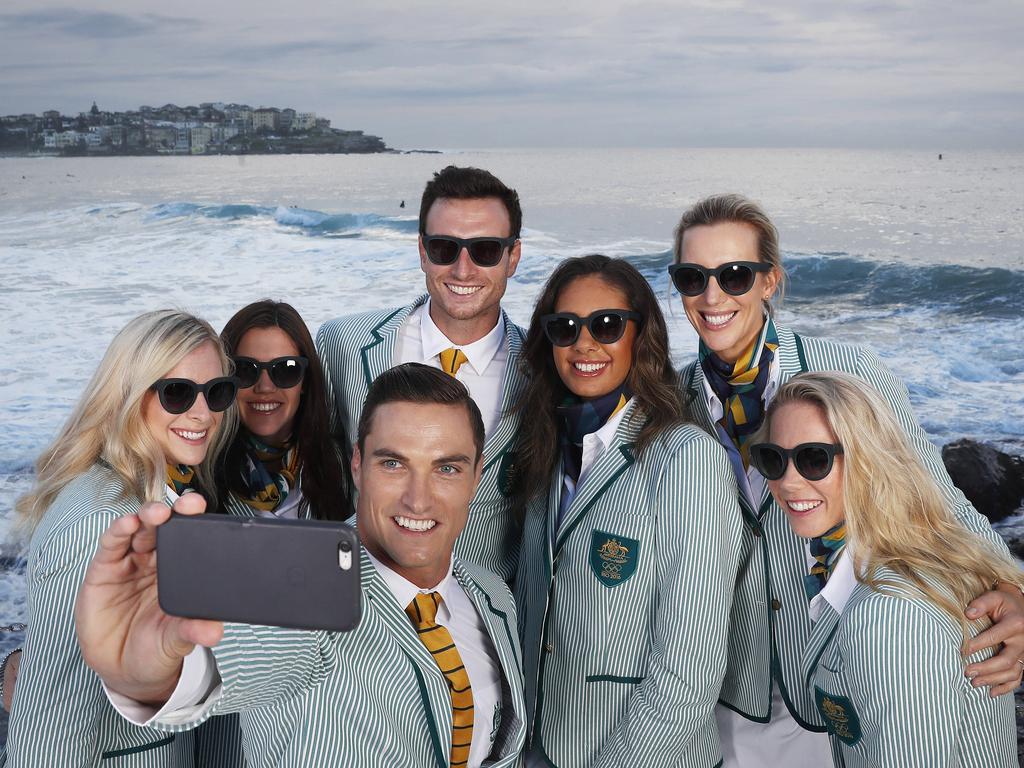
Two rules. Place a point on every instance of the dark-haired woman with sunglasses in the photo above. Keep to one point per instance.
(284, 461)
(888, 574)
(728, 270)
(631, 534)
(148, 427)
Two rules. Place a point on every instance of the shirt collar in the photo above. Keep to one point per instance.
(479, 353)
(774, 380)
(607, 432)
(405, 591)
(838, 588)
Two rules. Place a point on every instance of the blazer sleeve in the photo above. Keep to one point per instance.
(906, 682)
(261, 666)
(871, 369)
(58, 701)
(327, 348)
(698, 552)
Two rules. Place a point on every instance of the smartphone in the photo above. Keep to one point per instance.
(300, 574)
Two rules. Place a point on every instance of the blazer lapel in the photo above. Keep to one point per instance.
(606, 469)
(824, 630)
(698, 400)
(511, 387)
(502, 633)
(437, 702)
(379, 354)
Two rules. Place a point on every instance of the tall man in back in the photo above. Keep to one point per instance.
(469, 247)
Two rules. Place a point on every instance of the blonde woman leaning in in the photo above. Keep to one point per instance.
(889, 573)
(149, 425)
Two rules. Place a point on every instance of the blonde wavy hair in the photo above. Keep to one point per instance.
(896, 514)
(107, 423)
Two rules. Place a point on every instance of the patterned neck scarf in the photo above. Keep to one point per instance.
(269, 472)
(584, 417)
(740, 386)
(180, 478)
(825, 549)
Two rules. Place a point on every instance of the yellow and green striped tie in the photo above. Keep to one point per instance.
(423, 612)
(451, 360)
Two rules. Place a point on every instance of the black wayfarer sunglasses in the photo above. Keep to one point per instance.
(484, 251)
(812, 460)
(178, 395)
(284, 372)
(606, 326)
(734, 277)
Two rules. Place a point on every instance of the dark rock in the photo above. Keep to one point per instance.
(991, 479)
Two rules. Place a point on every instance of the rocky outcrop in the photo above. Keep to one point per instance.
(991, 479)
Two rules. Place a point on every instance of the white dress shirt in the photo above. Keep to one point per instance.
(421, 341)
(199, 686)
(837, 589)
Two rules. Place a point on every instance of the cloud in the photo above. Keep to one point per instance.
(93, 25)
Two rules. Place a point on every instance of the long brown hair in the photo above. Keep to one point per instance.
(651, 376)
(324, 478)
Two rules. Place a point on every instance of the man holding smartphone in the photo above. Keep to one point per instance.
(430, 677)
(469, 247)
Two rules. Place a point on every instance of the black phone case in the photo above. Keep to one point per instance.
(282, 573)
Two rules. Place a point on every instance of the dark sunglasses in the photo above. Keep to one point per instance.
(484, 251)
(812, 460)
(284, 372)
(606, 326)
(734, 277)
(178, 395)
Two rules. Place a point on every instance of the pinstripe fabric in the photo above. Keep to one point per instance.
(770, 625)
(896, 660)
(357, 349)
(60, 715)
(628, 675)
(373, 697)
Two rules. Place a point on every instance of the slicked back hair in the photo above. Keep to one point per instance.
(418, 383)
(455, 183)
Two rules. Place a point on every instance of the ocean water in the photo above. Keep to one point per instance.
(921, 259)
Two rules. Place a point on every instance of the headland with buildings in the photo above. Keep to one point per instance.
(212, 128)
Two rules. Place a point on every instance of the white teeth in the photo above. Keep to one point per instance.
(415, 525)
(803, 506)
(463, 290)
(717, 320)
(589, 367)
(190, 435)
(264, 407)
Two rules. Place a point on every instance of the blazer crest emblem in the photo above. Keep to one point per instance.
(839, 715)
(613, 558)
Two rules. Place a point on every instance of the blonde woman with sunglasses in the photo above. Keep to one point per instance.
(148, 427)
(889, 572)
(729, 273)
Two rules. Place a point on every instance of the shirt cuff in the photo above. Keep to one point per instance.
(199, 688)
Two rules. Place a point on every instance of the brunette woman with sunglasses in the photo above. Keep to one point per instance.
(888, 571)
(631, 535)
(728, 270)
(284, 462)
(148, 427)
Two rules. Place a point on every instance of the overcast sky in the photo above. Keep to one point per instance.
(454, 73)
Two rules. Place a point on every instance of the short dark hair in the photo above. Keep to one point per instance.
(418, 383)
(470, 184)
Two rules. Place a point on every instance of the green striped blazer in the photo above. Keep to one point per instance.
(624, 608)
(357, 349)
(373, 697)
(887, 677)
(60, 715)
(770, 625)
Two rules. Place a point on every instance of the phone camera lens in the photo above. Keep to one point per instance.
(345, 546)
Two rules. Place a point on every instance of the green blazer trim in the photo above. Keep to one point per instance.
(134, 750)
